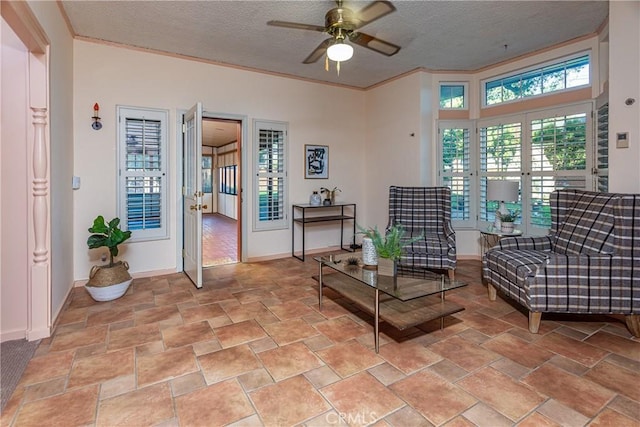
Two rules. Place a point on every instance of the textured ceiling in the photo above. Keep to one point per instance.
(435, 35)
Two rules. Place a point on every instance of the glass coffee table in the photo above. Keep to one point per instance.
(405, 300)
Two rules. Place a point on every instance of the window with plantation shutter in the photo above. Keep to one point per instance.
(455, 168)
(270, 164)
(142, 189)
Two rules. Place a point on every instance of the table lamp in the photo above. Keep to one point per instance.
(502, 191)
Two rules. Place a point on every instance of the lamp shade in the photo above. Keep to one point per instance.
(340, 51)
(502, 190)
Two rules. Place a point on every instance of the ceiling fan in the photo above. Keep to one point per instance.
(342, 23)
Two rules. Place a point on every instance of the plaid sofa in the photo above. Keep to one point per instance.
(425, 210)
(589, 263)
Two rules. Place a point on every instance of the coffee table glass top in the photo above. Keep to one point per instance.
(407, 285)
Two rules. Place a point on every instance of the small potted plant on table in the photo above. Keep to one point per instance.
(389, 246)
(507, 221)
(110, 281)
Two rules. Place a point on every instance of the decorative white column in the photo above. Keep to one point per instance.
(39, 289)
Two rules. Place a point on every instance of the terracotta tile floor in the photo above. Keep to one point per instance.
(251, 349)
(219, 240)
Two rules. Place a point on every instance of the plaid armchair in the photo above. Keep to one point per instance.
(425, 210)
(589, 263)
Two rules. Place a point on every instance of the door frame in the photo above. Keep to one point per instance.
(242, 193)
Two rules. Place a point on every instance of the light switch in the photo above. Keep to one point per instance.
(75, 182)
(622, 140)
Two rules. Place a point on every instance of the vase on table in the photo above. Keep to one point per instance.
(369, 253)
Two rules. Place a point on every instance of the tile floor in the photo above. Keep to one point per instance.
(252, 349)
(219, 240)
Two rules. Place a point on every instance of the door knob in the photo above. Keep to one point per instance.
(204, 206)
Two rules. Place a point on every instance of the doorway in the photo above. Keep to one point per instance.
(221, 172)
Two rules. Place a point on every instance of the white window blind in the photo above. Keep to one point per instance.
(271, 175)
(142, 151)
(455, 167)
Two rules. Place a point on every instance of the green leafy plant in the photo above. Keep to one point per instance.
(509, 216)
(107, 235)
(391, 243)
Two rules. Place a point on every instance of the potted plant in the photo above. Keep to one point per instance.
(110, 281)
(330, 195)
(388, 246)
(507, 221)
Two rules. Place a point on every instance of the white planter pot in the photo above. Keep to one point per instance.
(108, 293)
(507, 227)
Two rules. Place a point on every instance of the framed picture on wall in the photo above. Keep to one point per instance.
(316, 161)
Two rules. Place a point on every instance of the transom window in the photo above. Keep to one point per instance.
(453, 96)
(560, 75)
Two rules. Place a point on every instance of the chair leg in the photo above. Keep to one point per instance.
(451, 275)
(492, 292)
(534, 321)
(633, 323)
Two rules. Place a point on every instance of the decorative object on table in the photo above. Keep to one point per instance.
(315, 199)
(502, 191)
(330, 195)
(316, 161)
(388, 246)
(352, 264)
(507, 221)
(110, 281)
(369, 254)
(96, 125)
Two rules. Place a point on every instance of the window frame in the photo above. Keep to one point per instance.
(529, 70)
(137, 113)
(283, 222)
(465, 95)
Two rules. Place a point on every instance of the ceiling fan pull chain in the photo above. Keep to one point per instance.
(326, 63)
(338, 67)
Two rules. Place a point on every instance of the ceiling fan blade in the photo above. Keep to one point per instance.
(374, 43)
(296, 25)
(374, 11)
(318, 52)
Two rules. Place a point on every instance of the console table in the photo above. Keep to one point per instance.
(304, 214)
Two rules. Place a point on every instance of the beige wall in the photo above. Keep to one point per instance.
(317, 114)
(624, 83)
(13, 187)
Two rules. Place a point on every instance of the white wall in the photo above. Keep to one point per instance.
(393, 150)
(624, 82)
(61, 149)
(317, 114)
(13, 187)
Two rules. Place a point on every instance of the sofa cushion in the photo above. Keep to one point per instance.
(588, 227)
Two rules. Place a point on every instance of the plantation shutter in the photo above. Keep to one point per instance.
(271, 176)
(455, 169)
(143, 192)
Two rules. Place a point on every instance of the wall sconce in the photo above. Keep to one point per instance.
(96, 125)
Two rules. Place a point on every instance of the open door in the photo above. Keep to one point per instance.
(192, 195)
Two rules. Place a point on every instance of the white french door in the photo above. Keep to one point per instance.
(192, 195)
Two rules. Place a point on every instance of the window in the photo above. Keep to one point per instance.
(553, 77)
(542, 151)
(207, 176)
(455, 166)
(142, 187)
(453, 96)
(271, 175)
(228, 179)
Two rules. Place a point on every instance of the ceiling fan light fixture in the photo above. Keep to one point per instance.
(340, 51)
